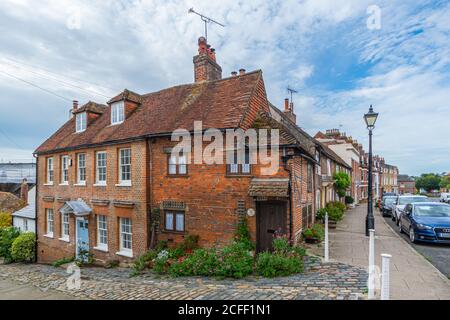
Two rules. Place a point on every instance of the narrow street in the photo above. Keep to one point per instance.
(412, 276)
(437, 254)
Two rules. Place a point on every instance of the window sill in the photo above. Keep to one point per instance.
(64, 239)
(81, 184)
(64, 184)
(238, 175)
(48, 184)
(124, 184)
(128, 254)
(174, 232)
(116, 123)
(49, 235)
(103, 249)
(100, 184)
(177, 176)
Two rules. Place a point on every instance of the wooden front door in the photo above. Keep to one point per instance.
(270, 217)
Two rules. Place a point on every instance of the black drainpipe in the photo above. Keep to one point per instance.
(291, 203)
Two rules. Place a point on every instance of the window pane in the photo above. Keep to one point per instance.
(246, 168)
(125, 164)
(125, 233)
(182, 169)
(234, 168)
(169, 221)
(180, 222)
(172, 169)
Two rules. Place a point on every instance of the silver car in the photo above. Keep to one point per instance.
(401, 202)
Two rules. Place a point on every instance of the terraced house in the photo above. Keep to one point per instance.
(109, 184)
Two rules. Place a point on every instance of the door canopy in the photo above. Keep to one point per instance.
(79, 208)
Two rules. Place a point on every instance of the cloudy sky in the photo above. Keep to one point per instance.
(337, 54)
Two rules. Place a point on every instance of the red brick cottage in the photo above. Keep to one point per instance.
(107, 182)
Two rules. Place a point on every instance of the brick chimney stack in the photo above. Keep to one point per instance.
(24, 191)
(205, 65)
(289, 110)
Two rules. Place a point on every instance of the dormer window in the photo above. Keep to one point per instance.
(117, 112)
(81, 122)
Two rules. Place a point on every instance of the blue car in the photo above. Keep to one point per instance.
(426, 221)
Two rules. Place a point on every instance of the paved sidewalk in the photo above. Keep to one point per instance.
(10, 290)
(412, 276)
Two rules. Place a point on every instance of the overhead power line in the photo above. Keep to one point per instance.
(19, 62)
(36, 86)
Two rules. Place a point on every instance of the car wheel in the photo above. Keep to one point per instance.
(412, 235)
(400, 227)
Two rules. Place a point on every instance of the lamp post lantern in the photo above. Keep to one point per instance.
(370, 118)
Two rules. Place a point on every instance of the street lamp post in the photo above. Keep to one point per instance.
(370, 118)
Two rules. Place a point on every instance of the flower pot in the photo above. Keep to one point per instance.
(332, 224)
(311, 240)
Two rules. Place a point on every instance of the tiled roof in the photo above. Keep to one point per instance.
(9, 202)
(332, 155)
(92, 107)
(30, 210)
(274, 187)
(218, 104)
(303, 139)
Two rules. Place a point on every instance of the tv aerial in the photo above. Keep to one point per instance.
(206, 20)
(291, 91)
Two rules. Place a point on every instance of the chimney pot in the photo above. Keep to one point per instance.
(75, 105)
(286, 104)
(233, 73)
(241, 71)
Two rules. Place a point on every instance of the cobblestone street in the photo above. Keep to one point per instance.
(319, 282)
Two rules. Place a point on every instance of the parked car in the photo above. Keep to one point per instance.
(387, 205)
(389, 194)
(447, 199)
(401, 202)
(426, 221)
(444, 197)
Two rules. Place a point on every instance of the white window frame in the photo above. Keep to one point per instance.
(117, 112)
(65, 226)
(123, 165)
(50, 171)
(125, 250)
(25, 224)
(49, 213)
(102, 232)
(81, 122)
(98, 167)
(81, 170)
(64, 170)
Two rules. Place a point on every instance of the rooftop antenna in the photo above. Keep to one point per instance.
(206, 20)
(291, 91)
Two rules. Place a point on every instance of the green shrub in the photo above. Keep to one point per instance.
(349, 200)
(275, 265)
(84, 258)
(281, 245)
(177, 252)
(243, 234)
(62, 261)
(161, 245)
(341, 182)
(236, 261)
(7, 237)
(315, 232)
(160, 263)
(142, 262)
(114, 263)
(23, 248)
(5, 219)
(335, 210)
(320, 215)
(191, 242)
(202, 262)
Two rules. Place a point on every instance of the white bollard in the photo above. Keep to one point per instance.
(327, 254)
(385, 261)
(371, 284)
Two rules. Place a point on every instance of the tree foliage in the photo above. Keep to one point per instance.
(428, 182)
(341, 182)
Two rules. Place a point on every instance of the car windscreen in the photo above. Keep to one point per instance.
(406, 200)
(389, 200)
(432, 211)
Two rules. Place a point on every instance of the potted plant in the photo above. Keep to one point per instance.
(314, 234)
(349, 201)
(335, 213)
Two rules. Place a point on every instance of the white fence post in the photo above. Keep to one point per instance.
(371, 264)
(327, 253)
(385, 262)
